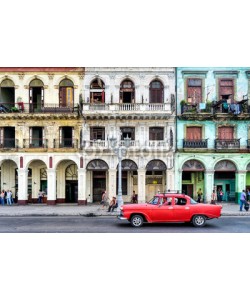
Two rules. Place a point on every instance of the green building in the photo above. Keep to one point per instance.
(213, 140)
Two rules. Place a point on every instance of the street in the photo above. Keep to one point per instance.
(79, 224)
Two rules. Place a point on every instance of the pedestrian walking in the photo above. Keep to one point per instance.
(213, 197)
(134, 198)
(199, 195)
(104, 201)
(2, 197)
(248, 194)
(220, 195)
(40, 197)
(8, 196)
(242, 199)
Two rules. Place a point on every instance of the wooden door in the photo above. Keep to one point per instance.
(66, 97)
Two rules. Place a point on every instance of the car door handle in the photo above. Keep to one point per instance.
(170, 207)
(187, 208)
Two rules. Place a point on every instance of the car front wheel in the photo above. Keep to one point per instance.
(136, 221)
(199, 221)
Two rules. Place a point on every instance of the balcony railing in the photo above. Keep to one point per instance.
(195, 143)
(248, 144)
(235, 108)
(20, 107)
(227, 144)
(35, 143)
(8, 143)
(127, 106)
(196, 108)
(65, 143)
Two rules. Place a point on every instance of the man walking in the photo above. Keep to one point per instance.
(242, 199)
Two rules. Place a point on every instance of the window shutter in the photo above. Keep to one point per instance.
(42, 97)
(225, 133)
(194, 133)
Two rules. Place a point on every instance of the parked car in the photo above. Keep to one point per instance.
(170, 207)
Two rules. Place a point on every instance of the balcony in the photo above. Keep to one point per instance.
(195, 143)
(66, 143)
(226, 107)
(227, 144)
(91, 145)
(21, 107)
(129, 110)
(35, 143)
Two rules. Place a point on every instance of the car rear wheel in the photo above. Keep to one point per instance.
(136, 221)
(199, 220)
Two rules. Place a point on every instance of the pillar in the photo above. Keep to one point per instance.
(141, 185)
(112, 182)
(169, 180)
(240, 184)
(22, 186)
(51, 197)
(209, 185)
(178, 181)
(82, 199)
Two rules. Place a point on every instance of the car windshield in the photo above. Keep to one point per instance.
(154, 201)
(192, 201)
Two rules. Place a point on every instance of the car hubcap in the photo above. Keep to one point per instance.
(199, 220)
(137, 221)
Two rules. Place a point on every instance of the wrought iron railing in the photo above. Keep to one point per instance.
(35, 143)
(65, 143)
(195, 143)
(227, 144)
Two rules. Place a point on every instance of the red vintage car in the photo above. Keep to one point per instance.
(170, 207)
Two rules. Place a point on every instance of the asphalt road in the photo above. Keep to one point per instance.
(81, 224)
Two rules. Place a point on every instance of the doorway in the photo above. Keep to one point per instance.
(188, 189)
(71, 191)
(99, 185)
(36, 94)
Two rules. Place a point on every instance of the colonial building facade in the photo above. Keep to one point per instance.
(40, 133)
(135, 103)
(58, 123)
(213, 131)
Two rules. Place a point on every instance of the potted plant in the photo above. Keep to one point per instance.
(14, 109)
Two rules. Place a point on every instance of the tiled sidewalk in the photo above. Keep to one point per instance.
(228, 209)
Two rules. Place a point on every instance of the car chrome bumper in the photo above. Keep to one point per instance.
(122, 218)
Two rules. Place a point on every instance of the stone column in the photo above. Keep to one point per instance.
(141, 185)
(240, 184)
(169, 180)
(178, 181)
(51, 199)
(82, 199)
(209, 185)
(112, 182)
(22, 186)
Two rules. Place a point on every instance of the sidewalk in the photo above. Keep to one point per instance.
(90, 210)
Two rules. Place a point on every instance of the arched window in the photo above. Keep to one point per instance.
(97, 91)
(7, 94)
(66, 93)
(127, 91)
(156, 92)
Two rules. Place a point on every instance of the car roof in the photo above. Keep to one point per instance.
(170, 195)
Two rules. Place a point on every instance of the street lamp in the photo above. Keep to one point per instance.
(120, 151)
